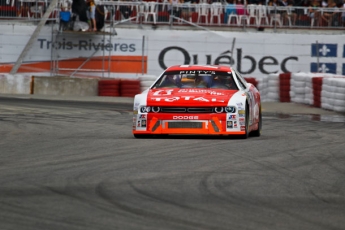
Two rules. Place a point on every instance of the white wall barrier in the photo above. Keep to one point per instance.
(15, 84)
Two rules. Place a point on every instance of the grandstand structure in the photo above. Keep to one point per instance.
(215, 16)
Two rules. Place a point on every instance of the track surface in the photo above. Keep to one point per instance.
(74, 165)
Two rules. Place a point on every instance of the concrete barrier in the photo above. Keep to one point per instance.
(65, 86)
(15, 84)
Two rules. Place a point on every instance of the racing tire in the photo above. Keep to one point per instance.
(257, 133)
(129, 83)
(114, 87)
(108, 92)
(245, 136)
(142, 135)
(109, 82)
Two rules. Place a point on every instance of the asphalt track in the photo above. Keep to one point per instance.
(76, 165)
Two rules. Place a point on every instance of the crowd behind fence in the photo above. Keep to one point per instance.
(275, 13)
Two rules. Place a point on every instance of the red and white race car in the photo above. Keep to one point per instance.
(196, 99)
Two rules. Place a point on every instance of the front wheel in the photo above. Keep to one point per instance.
(245, 136)
(257, 133)
(142, 135)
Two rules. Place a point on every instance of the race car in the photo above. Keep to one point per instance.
(198, 100)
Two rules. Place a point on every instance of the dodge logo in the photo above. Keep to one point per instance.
(185, 117)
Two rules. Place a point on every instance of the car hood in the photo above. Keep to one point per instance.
(189, 97)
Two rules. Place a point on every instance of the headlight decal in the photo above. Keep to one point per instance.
(230, 109)
(145, 109)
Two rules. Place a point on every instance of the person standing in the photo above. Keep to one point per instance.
(91, 12)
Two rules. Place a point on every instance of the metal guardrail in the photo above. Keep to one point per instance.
(219, 15)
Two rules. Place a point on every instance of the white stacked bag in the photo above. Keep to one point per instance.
(269, 87)
(333, 94)
(146, 81)
(299, 89)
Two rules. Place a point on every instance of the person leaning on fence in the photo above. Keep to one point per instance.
(188, 9)
(290, 13)
(174, 8)
(327, 16)
(126, 11)
(91, 15)
(313, 11)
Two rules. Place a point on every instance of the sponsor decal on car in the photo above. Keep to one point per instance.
(143, 123)
(166, 92)
(242, 119)
(211, 92)
(229, 124)
(142, 116)
(243, 128)
(197, 71)
(235, 124)
(232, 117)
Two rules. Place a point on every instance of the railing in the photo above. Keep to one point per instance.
(203, 14)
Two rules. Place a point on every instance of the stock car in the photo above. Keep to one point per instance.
(198, 100)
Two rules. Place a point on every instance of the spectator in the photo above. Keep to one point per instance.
(65, 18)
(273, 11)
(174, 8)
(230, 8)
(328, 15)
(126, 10)
(289, 13)
(188, 9)
(91, 15)
(300, 11)
(313, 11)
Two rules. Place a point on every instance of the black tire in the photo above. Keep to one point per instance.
(257, 133)
(245, 136)
(142, 135)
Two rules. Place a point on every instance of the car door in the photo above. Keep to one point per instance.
(250, 95)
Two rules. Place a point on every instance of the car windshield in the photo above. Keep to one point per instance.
(196, 79)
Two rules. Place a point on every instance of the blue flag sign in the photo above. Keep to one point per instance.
(324, 50)
(323, 67)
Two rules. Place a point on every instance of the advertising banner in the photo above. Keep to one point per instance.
(137, 51)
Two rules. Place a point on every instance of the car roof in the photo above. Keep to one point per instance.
(200, 67)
